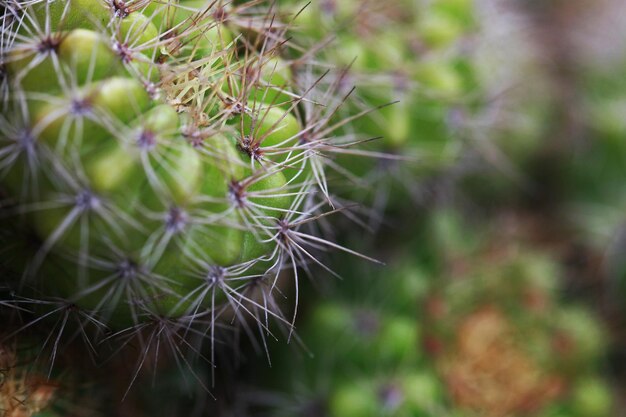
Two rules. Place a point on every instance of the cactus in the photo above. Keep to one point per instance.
(407, 60)
(451, 80)
(154, 176)
(165, 178)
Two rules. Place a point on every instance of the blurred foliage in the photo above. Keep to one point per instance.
(484, 331)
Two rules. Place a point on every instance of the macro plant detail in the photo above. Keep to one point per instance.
(154, 174)
(414, 62)
(335, 208)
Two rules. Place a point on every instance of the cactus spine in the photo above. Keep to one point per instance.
(154, 177)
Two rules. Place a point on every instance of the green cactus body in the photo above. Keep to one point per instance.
(153, 149)
(407, 54)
